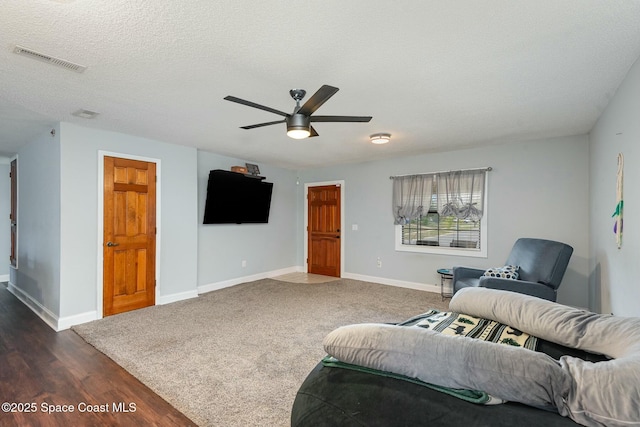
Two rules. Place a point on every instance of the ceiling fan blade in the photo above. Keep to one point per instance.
(313, 132)
(254, 105)
(259, 125)
(363, 119)
(317, 99)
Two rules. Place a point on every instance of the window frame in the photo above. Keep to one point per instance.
(444, 250)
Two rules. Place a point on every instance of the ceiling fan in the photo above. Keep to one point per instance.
(299, 122)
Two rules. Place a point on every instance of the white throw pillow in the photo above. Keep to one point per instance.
(506, 272)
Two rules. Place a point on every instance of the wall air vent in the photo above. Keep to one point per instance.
(20, 50)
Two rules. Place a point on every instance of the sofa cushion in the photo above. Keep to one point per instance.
(592, 394)
(603, 393)
(506, 372)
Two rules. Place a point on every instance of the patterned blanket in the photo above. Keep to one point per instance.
(456, 324)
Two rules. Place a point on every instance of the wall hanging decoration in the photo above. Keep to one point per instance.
(617, 226)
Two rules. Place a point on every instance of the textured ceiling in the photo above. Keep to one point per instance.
(437, 75)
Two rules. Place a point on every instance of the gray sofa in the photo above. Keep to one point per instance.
(593, 392)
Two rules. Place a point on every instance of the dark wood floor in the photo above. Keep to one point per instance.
(40, 368)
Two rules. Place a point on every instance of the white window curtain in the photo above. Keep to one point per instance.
(411, 197)
(461, 194)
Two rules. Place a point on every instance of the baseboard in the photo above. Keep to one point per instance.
(54, 322)
(77, 319)
(238, 280)
(41, 311)
(298, 269)
(168, 299)
(4, 278)
(393, 282)
(69, 321)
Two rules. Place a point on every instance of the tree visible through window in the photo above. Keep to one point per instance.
(453, 223)
(435, 230)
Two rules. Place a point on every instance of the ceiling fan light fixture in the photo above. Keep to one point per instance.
(380, 138)
(298, 126)
(298, 133)
(299, 122)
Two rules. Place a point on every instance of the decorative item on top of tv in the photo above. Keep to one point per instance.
(252, 169)
(238, 169)
(617, 226)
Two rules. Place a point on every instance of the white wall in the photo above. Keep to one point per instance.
(177, 227)
(561, 189)
(59, 273)
(615, 272)
(37, 281)
(266, 248)
(536, 189)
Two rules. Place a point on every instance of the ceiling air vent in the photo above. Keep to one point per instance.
(20, 50)
(85, 114)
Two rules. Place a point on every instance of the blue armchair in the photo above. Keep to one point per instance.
(542, 265)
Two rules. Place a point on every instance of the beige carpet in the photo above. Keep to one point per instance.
(236, 357)
(305, 278)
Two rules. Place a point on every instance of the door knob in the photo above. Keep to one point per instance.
(110, 244)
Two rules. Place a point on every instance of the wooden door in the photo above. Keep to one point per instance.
(323, 229)
(129, 235)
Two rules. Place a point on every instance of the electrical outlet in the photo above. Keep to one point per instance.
(379, 263)
(244, 263)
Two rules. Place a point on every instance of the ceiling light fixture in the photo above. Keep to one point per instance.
(380, 138)
(298, 126)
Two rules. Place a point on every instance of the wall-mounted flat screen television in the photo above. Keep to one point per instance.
(233, 198)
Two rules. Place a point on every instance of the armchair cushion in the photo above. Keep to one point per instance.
(506, 272)
(539, 290)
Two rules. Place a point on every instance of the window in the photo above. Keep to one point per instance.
(461, 233)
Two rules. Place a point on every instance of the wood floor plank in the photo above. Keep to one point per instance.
(41, 369)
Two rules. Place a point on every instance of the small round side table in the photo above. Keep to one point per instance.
(445, 275)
